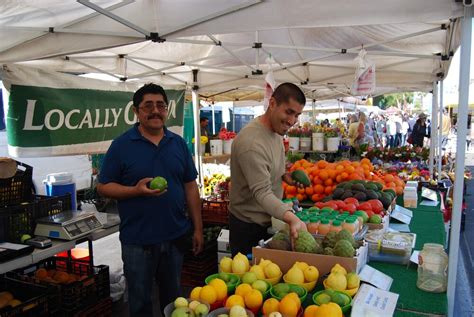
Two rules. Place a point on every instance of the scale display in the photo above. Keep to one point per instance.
(68, 225)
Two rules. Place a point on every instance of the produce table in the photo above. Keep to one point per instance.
(428, 224)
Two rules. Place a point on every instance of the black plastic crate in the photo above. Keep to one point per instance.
(94, 284)
(17, 220)
(51, 205)
(34, 300)
(19, 188)
(102, 308)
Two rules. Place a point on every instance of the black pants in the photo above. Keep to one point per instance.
(244, 235)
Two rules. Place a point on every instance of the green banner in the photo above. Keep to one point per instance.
(50, 117)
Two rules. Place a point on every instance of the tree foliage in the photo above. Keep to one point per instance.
(394, 100)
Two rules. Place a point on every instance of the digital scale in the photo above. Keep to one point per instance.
(68, 225)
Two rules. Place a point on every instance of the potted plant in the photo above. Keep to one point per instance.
(227, 138)
(305, 139)
(332, 139)
(294, 138)
(318, 138)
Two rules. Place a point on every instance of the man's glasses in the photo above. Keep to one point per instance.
(148, 107)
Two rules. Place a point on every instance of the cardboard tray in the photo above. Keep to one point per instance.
(324, 263)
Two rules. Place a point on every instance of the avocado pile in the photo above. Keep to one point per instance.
(363, 191)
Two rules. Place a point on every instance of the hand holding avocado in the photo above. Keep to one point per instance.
(151, 186)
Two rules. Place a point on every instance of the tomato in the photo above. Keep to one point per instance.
(319, 204)
(376, 204)
(350, 208)
(369, 213)
(333, 205)
(340, 204)
(352, 200)
(366, 206)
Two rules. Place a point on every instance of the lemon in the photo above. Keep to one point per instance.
(220, 287)
(208, 294)
(337, 281)
(226, 265)
(272, 270)
(301, 265)
(263, 263)
(338, 269)
(238, 266)
(243, 258)
(353, 280)
(295, 275)
(311, 274)
(328, 310)
(258, 270)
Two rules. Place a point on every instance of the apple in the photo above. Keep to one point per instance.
(182, 312)
(249, 278)
(194, 304)
(201, 310)
(260, 285)
(180, 302)
(159, 183)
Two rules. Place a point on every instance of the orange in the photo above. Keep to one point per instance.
(309, 191)
(243, 289)
(332, 173)
(350, 169)
(220, 287)
(328, 190)
(300, 190)
(61, 277)
(322, 164)
(253, 299)
(41, 273)
(300, 197)
(288, 307)
(290, 196)
(270, 305)
(208, 294)
(318, 189)
(317, 180)
(323, 175)
(338, 179)
(344, 175)
(291, 190)
(365, 161)
(195, 293)
(328, 182)
(388, 178)
(235, 300)
(310, 310)
(340, 167)
(295, 297)
(315, 197)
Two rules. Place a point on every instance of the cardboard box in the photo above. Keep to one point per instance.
(220, 255)
(223, 241)
(383, 225)
(324, 263)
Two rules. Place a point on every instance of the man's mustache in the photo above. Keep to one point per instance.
(154, 116)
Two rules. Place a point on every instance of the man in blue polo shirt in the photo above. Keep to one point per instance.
(154, 225)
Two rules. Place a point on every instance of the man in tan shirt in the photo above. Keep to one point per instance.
(257, 169)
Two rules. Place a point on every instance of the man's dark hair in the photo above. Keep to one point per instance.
(148, 89)
(202, 119)
(287, 91)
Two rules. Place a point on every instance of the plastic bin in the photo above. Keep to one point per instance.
(59, 184)
(19, 188)
(34, 300)
(67, 299)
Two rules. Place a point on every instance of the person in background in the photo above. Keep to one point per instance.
(404, 132)
(420, 131)
(391, 132)
(357, 131)
(258, 167)
(155, 225)
(381, 128)
(445, 129)
(398, 136)
(204, 122)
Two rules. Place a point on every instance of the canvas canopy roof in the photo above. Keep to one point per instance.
(313, 42)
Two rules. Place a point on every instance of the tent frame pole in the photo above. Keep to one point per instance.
(440, 135)
(464, 74)
(434, 128)
(197, 129)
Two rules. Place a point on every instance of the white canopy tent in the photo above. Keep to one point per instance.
(219, 48)
(313, 43)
